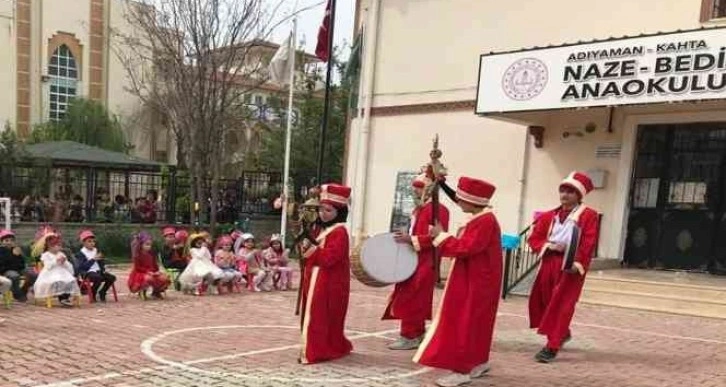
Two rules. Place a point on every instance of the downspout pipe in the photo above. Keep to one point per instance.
(370, 44)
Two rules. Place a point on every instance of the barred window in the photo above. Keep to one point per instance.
(719, 8)
(63, 73)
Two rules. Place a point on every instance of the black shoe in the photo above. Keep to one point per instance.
(22, 298)
(102, 297)
(157, 296)
(546, 355)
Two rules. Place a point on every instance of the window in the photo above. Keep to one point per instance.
(63, 73)
(719, 8)
(712, 9)
(259, 101)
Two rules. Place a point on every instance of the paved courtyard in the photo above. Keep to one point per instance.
(251, 339)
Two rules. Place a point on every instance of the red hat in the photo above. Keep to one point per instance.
(474, 191)
(421, 181)
(580, 182)
(6, 234)
(168, 231)
(85, 234)
(334, 194)
(181, 236)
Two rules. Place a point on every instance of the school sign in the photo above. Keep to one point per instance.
(680, 66)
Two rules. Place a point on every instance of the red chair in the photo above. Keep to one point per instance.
(87, 286)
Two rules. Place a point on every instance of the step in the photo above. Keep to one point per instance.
(686, 292)
(654, 302)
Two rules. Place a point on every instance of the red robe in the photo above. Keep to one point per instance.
(326, 289)
(555, 293)
(460, 336)
(411, 300)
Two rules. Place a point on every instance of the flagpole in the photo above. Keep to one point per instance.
(326, 109)
(288, 132)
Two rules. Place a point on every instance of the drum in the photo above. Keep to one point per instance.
(381, 261)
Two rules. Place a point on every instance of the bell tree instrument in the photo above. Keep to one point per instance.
(436, 172)
(306, 228)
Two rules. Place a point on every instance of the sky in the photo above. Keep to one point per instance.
(310, 19)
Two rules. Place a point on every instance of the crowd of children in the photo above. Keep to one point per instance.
(194, 263)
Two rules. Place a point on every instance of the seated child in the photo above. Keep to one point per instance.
(200, 270)
(277, 260)
(224, 259)
(57, 278)
(145, 272)
(90, 265)
(250, 260)
(12, 266)
(172, 254)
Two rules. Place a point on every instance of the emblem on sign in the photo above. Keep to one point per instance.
(525, 79)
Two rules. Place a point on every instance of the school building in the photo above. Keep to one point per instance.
(521, 93)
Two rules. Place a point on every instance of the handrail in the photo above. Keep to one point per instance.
(519, 262)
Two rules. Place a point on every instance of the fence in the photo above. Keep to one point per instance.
(84, 194)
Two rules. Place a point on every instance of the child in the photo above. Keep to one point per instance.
(12, 266)
(90, 265)
(277, 259)
(200, 270)
(224, 259)
(172, 254)
(57, 277)
(145, 272)
(249, 261)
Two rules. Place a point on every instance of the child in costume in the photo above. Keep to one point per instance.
(201, 270)
(145, 272)
(57, 277)
(224, 259)
(250, 261)
(277, 261)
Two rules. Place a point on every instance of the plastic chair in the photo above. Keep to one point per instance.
(8, 299)
(87, 286)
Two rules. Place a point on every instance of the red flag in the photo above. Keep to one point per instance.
(322, 50)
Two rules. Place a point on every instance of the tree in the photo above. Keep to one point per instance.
(305, 134)
(88, 122)
(192, 61)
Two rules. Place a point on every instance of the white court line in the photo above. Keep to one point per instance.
(146, 349)
(633, 331)
(114, 375)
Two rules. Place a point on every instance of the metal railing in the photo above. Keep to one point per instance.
(92, 195)
(519, 262)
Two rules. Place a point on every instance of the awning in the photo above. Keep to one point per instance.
(74, 154)
(679, 66)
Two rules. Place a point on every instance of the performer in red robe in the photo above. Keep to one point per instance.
(412, 300)
(326, 286)
(556, 288)
(460, 336)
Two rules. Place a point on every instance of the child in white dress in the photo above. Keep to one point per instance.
(57, 278)
(201, 272)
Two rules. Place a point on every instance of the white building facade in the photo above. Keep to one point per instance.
(522, 93)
